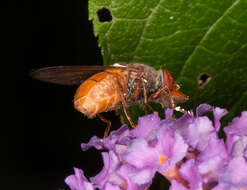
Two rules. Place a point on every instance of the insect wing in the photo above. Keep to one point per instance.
(67, 75)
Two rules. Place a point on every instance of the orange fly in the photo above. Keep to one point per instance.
(106, 88)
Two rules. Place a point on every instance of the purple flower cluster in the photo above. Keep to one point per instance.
(187, 151)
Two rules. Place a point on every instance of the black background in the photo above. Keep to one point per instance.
(40, 131)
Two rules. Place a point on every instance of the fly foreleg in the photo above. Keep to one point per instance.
(173, 106)
(166, 89)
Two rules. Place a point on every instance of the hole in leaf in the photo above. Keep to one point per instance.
(203, 79)
(104, 15)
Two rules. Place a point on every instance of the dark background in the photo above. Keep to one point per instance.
(41, 132)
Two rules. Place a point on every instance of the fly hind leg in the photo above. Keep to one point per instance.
(108, 124)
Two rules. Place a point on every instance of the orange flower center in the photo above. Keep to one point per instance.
(162, 159)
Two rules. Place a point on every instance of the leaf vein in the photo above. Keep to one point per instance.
(206, 35)
(144, 28)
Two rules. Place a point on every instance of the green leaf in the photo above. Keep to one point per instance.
(189, 38)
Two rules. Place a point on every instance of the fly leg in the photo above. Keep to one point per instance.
(108, 124)
(141, 84)
(179, 109)
(157, 93)
(173, 106)
(145, 96)
(166, 89)
(124, 104)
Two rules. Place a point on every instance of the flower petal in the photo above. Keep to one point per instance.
(235, 130)
(135, 179)
(199, 132)
(238, 126)
(145, 125)
(218, 114)
(236, 173)
(140, 154)
(171, 145)
(120, 136)
(93, 142)
(239, 148)
(111, 163)
(168, 114)
(212, 161)
(190, 173)
(78, 181)
(177, 186)
(202, 109)
(110, 186)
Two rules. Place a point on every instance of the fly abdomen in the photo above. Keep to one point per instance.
(97, 94)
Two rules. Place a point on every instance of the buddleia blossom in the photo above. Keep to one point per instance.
(187, 151)
(78, 181)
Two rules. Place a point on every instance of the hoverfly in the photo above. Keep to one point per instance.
(106, 88)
